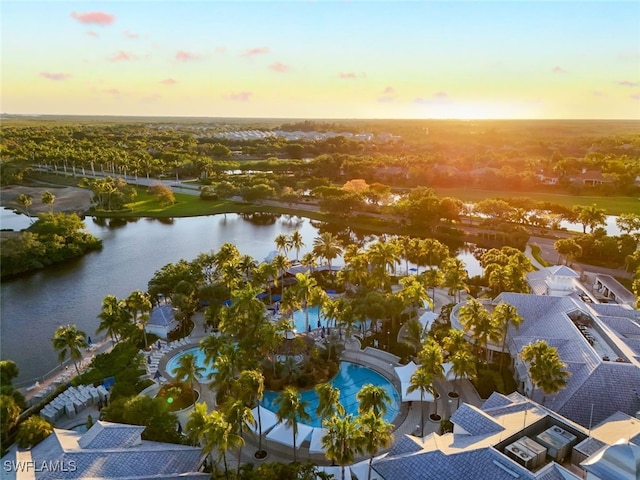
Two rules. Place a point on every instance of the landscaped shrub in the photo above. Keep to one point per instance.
(487, 382)
(32, 431)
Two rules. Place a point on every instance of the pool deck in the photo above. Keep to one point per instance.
(406, 423)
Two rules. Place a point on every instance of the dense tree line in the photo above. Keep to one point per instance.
(53, 238)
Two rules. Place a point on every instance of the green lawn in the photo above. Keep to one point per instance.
(613, 205)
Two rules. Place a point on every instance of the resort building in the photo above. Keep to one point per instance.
(107, 450)
(162, 321)
(511, 436)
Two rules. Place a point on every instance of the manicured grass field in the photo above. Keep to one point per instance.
(613, 205)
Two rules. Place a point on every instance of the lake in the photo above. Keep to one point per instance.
(35, 305)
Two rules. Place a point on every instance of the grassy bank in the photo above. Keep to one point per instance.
(613, 205)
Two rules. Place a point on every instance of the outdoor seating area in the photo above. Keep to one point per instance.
(159, 351)
(73, 400)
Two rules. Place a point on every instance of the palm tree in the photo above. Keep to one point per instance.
(413, 293)
(455, 276)
(251, 390)
(48, 198)
(113, 317)
(282, 243)
(384, 256)
(327, 246)
(138, 301)
(221, 437)
(328, 401)
(291, 408)
(296, 242)
(376, 435)
(504, 315)
(463, 365)
(69, 340)
(303, 293)
(546, 369)
(25, 201)
(281, 263)
(455, 342)
(238, 415)
(373, 398)
(414, 335)
(247, 265)
(422, 380)
(188, 370)
(199, 429)
(475, 317)
(342, 441)
(309, 260)
(591, 216)
(430, 358)
(432, 278)
(266, 273)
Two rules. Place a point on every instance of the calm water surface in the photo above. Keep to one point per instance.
(34, 305)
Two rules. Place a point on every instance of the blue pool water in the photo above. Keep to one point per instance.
(199, 354)
(349, 380)
(316, 319)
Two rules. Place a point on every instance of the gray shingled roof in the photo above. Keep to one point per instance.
(110, 435)
(592, 381)
(622, 325)
(434, 465)
(496, 400)
(475, 421)
(105, 458)
(403, 446)
(615, 310)
(610, 388)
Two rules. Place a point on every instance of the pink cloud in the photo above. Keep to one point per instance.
(183, 56)
(598, 93)
(348, 76)
(636, 96)
(558, 69)
(112, 91)
(98, 18)
(91, 33)
(123, 56)
(388, 91)
(55, 76)
(221, 50)
(386, 99)
(130, 34)
(627, 83)
(168, 81)
(252, 52)
(440, 96)
(239, 97)
(279, 67)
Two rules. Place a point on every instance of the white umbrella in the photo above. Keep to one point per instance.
(404, 372)
(427, 319)
(268, 418)
(283, 433)
(315, 445)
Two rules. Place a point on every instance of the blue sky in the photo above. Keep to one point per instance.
(372, 59)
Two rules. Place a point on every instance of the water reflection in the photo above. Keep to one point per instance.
(133, 250)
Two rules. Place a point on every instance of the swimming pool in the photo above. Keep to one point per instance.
(349, 380)
(199, 354)
(316, 320)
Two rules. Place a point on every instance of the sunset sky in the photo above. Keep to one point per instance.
(323, 59)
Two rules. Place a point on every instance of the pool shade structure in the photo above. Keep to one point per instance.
(283, 434)
(404, 374)
(268, 418)
(427, 319)
(361, 471)
(315, 445)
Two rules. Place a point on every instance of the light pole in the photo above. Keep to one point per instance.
(388, 341)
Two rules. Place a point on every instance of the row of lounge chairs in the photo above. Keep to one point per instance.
(153, 359)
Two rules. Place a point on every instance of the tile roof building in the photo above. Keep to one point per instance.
(484, 445)
(108, 451)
